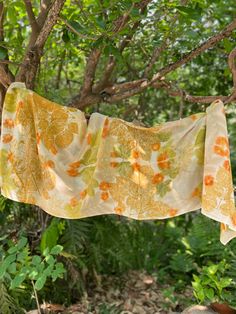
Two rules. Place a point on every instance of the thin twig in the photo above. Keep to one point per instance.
(36, 297)
(112, 61)
(158, 50)
(76, 32)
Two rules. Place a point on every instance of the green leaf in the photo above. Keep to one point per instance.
(78, 27)
(56, 249)
(21, 243)
(33, 274)
(36, 260)
(12, 14)
(50, 259)
(65, 36)
(209, 293)
(12, 249)
(41, 267)
(101, 23)
(225, 282)
(58, 272)
(212, 269)
(46, 251)
(135, 13)
(40, 282)
(5, 264)
(3, 53)
(48, 270)
(189, 12)
(12, 268)
(22, 256)
(228, 45)
(17, 281)
(50, 235)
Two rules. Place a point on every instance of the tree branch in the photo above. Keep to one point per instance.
(137, 88)
(232, 65)
(32, 20)
(44, 9)
(29, 67)
(172, 91)
(93, 59)
(158, 50)
(112, 62)
(71, 28)
(5, 74)
(212, 41)
(90, 70)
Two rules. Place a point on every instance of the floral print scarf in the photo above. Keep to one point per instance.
(50, 157)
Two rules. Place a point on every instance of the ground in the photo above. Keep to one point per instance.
(131, 293)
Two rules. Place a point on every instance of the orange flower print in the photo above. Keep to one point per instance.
(227, 165)
(89, 138)
(223, 227)
(104, 196)
(83, 194)
(8, 123)
(136, 166)
(53, 150)
(74, 202)
(208, 180)
(193, 117)
(156, 146)
(20, 106)
(173, 212)
(196, 192)
(233, 218)
(113, 154)
(7, 138)
(163, 161)
(49, 164)
(221, 146)
(10, 156)
(105, 128)
(118, 210)
(157, 178)
(38, 138)
(114, 164)
(72, 172)
(135, 154)
(75, 164)
(106, 122)
(104, 186)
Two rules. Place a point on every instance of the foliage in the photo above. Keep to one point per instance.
(7, 303)
(18, 267)
(211, 284)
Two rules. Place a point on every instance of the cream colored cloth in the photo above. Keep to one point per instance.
(51, 157)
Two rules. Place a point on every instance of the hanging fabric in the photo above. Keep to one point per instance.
(51, 157)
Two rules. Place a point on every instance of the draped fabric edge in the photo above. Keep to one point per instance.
(228, 230)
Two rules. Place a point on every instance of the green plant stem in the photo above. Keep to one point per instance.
(36, 297)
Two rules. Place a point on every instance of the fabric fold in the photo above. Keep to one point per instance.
(50, 157)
